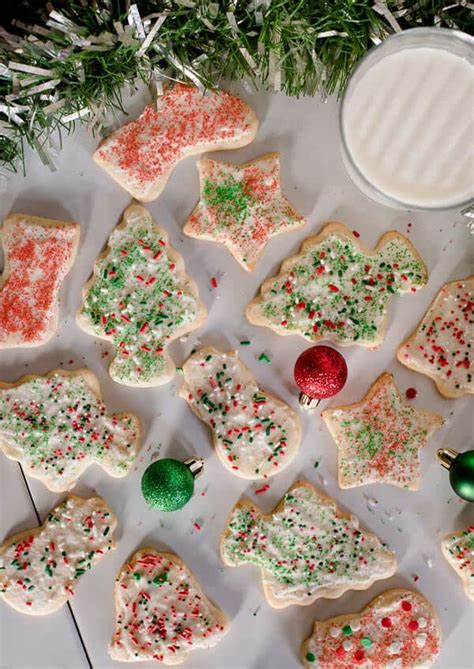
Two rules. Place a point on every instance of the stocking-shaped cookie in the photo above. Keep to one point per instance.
(443, 343)
(458, 549)
(398, 629)
(140, 299)
(306, 548)
(57, 425)
(141, 155)
(40, 568)
(242, 207)
(338, 290)
(162, 612)
(39, 253)
(379, 438)
(255, 434)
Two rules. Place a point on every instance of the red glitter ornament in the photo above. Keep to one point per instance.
(320, 372)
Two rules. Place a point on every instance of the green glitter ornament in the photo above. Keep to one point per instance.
(168, 484)
(461, 471)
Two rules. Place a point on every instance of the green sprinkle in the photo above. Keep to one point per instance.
(310, 657)
(263, 357)
(347, 630)
(245, 342)
(161, 578)
(136, 575)
(316, 464)
(366, 642)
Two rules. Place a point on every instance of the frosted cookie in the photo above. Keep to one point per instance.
(162, 612)
(39, 253)
(442, 344)
(336, 289)
(40, 568)
(140, 299)
(458, 549)
(306, 548)
(397, 629)
(57, 425)
(242, 207)
(255, 434)
(379, 438)
(141, 155)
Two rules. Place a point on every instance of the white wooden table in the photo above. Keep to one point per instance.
(306, 133)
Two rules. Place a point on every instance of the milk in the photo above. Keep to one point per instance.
(408, 127)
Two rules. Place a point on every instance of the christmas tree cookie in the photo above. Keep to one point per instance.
(458, 549)
(141, 155)
(40, 568)
(39, 253)
(162, 612)
(306, 548)
(255, 434)
(56, 425)
(242, 207)
(140, 299)
(397, 629)
(336, 289)
(443, 343)
(380, 437)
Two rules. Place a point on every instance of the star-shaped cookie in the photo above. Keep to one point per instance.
(379, 438)
(337, 289)
(242, 207)
(442, 344)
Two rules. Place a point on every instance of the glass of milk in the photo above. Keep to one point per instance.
(407, 120)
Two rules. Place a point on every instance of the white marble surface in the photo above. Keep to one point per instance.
(306, 133)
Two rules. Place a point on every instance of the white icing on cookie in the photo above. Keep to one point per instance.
(388, 636)
(379, 438)
(306, 549)
(184, 121)
(443, 343)
(162, 613)
(458, 549)
(140, 299)
(242, 207)
(39, 253)
(57, 425)
(39, 568)
(256, 435)
(335, 289)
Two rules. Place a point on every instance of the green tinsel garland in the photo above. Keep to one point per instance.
(71, 63)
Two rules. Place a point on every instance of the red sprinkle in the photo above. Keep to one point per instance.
(386, 622)
(262, 489)
(214, 282)
(356, 234)
(411, 393)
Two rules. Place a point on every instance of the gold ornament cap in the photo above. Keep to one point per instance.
(446, 457)
(308, 402)
(195, 466)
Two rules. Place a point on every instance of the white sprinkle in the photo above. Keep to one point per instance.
(394, 647)
(421, 640)
(422, 622)
(347, 645)
(335, 632)
(355, 624)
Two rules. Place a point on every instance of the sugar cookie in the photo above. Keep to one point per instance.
(140, 299)
(242, 207)
(57, 425)
(336, 289)
(255, 434)
(380, 437)
(39, 252)
(442, 344)
(39, 568)
(141, 155)
(162, 612)
(397, 629)
(306, 548)
(458, 549)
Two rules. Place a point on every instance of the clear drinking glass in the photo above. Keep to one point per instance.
(451, 41)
